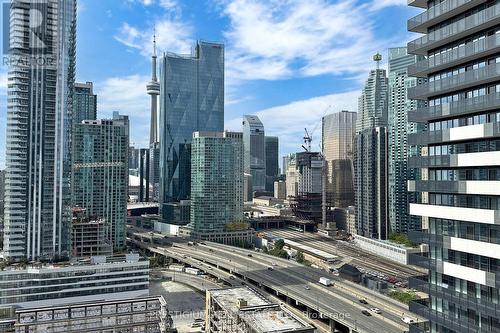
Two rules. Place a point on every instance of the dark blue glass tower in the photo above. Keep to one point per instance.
(191, 99)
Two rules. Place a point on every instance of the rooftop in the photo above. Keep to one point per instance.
(258, 312)
(37, 267)
(228, 298)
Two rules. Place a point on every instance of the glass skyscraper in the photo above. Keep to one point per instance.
(255, 151)
(458, 188)
(216, 181)
(84, 102)
(370, 160)
(100, 172)
(191, 99)
(39, 118)
(338, 131)
(272, 161)
(399, 149)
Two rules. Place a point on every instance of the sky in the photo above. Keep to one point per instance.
(288, 61)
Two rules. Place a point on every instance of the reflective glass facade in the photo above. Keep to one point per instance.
(338, 131)
(191, 99)
(84, 103)
(272, 161)
(216, 181)
(255, 151)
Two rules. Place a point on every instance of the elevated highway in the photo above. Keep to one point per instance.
(295, 284)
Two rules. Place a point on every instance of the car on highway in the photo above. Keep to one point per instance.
(306, 287)
(407, 320)
(375, 310)
(362, 301)
(366, 313)
(249, 255)
(269, 268)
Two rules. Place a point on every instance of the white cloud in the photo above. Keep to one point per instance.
(379, 4)
(171, 35)
(127, 95)
(275, 39)
(288, 121)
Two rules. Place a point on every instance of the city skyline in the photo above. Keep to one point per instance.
(389, 195)
(120, 72)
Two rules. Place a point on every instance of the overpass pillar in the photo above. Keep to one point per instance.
(332, 325)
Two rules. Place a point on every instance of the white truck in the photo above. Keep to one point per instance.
(325, 281)
(192, 270)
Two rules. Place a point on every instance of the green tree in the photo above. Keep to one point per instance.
(300, 257)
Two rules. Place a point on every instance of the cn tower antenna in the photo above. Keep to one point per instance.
(154, 41)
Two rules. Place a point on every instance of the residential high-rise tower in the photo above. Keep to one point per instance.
(39, 118)
(84, 102)
(399, 128)
(100, 172)
(370, 160)
(458, 188)
(216, 181)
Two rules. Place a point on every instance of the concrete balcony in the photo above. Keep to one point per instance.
(439, 13)
(472, 132)
(465, 27)
(477, 215)
(418, 3)
(456, 56)
(469, 79)
(489, 158)
(476, 187)
(486, 249)
(458, 108)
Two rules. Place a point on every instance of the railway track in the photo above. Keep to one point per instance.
(356, 256)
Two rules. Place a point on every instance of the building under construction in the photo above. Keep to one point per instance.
(89, 235)
(308, 199)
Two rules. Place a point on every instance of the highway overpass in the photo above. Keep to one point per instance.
(295, 284)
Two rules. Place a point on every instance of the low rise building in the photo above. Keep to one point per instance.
(95, 279)
(142, 314)
(243, 310)
(386, 249)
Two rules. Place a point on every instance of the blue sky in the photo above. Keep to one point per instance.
(286, 60)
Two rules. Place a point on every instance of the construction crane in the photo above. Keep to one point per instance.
(309, 137)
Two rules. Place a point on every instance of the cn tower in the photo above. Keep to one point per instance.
(153, 89)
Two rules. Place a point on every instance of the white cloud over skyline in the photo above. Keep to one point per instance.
(288, 121)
